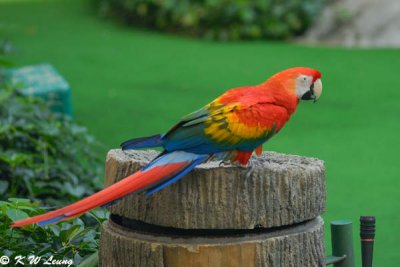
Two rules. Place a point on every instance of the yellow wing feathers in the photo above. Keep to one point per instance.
(225, 125)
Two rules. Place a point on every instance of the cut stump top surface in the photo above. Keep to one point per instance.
(274, 190)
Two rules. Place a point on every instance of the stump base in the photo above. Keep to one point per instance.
(297, 245)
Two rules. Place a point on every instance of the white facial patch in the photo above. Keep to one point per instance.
(303, 84)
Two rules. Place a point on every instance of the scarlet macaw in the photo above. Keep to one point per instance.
(229, 128)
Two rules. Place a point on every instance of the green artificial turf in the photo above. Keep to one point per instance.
(130, 82)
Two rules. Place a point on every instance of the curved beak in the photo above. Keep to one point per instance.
(315, 91)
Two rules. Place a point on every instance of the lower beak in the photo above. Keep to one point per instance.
(309, 95)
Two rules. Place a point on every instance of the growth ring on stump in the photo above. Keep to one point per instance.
(266, 214)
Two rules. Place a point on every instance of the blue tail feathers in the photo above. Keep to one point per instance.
(50, 221)
(143, 142)
(198, 160)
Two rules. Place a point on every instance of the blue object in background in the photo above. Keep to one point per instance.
(42, 81)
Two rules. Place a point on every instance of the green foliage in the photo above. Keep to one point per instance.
(5, 48)
(218, 19)
(44, 155)
(72, 239)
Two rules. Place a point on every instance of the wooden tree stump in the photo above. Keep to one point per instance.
(266, 214)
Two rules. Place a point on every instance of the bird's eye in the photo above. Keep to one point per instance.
(304, 78)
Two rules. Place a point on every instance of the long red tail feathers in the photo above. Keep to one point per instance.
(170, 165)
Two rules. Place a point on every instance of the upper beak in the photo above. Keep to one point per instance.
(315, 91)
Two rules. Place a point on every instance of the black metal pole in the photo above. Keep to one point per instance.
(367, 234)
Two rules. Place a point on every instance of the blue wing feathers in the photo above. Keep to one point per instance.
(143, 142)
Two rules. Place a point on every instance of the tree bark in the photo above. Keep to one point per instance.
(275, 190)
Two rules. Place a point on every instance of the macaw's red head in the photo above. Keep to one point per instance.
(305, 83)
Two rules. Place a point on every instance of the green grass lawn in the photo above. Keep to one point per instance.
(129, 82)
